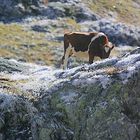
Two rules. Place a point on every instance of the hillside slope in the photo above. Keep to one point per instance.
(40, 101)
(98, 101)
(38, 38)
(125, 11)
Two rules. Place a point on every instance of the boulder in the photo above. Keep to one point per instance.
(98, 101)
(15, 9)
(10, 66)
(79, 12)
(18, 8)
(15, 117)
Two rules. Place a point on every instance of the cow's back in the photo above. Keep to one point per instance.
(80, 41)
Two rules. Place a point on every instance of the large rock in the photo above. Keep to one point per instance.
(18, 8)
(66, 1)
(15, 117)
(10, 66)
(98, 101)
(11, 9)
(78, 11)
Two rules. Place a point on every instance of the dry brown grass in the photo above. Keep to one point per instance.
(127, 11)
(19, 43)
(113, 70)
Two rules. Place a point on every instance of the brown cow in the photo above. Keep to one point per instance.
(87, 45)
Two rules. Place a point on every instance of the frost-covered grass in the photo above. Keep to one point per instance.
(38, 80)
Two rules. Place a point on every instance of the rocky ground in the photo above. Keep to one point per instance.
(40, 101)
(98, 101)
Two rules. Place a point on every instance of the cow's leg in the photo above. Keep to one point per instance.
(66, 56)
(91, 58)
(62, 62)
(66, 45)
(63, 59)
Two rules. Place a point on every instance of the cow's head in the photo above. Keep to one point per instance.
(107, 49)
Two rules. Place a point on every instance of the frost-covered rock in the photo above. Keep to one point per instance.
(15, 117)
(18, 8)
(10, 66)
(11, 9)
(98, 101)
(78, 11)
(66, 1)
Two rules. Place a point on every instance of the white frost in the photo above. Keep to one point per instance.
(128, 60)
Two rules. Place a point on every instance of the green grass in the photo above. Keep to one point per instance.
(72, 24)
(15, 35)
(18, 42)
(125, 10)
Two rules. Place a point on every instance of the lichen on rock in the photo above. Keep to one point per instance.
(98, 101)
